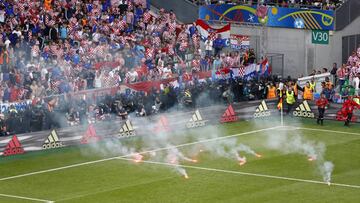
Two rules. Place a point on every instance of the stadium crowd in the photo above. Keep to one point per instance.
(55, 47)
(315, 4)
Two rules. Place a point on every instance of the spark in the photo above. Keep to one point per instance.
(137, 158)
(312, 158)
(242, 163)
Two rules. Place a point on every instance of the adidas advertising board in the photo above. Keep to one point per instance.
(13, 147)
(304, 110)
(196, 120)
(52, 141)
(127, 130)
(229, 115)
(262, 110)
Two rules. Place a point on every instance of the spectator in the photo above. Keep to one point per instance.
(218, 44)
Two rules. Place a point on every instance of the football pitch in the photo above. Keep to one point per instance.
(285, 171)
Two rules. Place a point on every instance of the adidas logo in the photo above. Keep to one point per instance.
(196, 120)
(262, 110)
(127, 130)
(52, 141)
(162, 125)
(13, 147)
(303, 110)
(229, 115)
(90, 135)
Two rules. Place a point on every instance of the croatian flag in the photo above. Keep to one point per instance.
(250, 71)
(206, 30)
(265, 69)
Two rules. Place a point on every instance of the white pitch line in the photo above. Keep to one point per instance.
(154, 150)
(324, 130)
(26, 198)
(245, 173)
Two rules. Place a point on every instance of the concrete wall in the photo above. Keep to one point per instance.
(290, 42)
(300, 55)
(336, 40)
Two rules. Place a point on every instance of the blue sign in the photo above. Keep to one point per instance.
(312, 19)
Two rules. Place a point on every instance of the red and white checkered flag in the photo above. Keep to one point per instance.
(149, 53)
(147, 17)
(241, 71)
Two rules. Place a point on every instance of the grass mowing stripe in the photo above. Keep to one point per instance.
(245, 173)
(154, 150)
(26, 198)
(112, 189)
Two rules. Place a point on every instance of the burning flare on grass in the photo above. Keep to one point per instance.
(242, 160)
(174, 156)
(137, 158)
(312, 158)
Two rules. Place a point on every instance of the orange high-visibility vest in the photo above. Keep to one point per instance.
(47, 4)
(308, 95)
(271, 93)
(295, 89)
(2, 58)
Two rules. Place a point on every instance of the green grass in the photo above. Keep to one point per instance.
(124, 181)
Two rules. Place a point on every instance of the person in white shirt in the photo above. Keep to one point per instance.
(2, 16)
(208, 46)
(97, 80)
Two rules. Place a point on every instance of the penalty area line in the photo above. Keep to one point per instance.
(143, 152)
(26, 198)
(243, 173)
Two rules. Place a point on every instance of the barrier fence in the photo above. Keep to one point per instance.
(177, 120)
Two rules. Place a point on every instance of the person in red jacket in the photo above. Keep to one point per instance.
(321, 103)
(348, 108)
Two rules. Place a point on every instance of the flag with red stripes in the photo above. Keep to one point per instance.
(13, 147)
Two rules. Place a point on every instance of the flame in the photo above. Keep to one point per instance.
(258, 155)
(311, 159)
(137, 157)
(194, 160)
(242, 163)
(186, 176)
(329, 183)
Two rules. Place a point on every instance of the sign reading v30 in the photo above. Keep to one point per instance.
(320, 37)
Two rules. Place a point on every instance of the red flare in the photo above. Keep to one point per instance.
(137, 158)
(311, 159)
(242, 163)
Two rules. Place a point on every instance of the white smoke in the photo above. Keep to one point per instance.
(326, 171)
(291, 141)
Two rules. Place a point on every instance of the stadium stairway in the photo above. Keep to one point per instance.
(179, 6)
